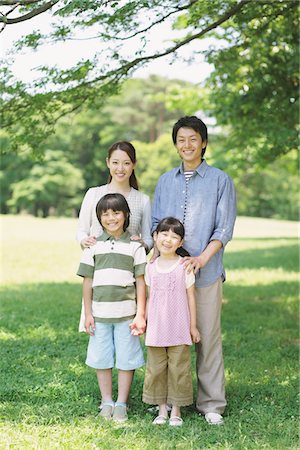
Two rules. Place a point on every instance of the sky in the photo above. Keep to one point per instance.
(67, 54)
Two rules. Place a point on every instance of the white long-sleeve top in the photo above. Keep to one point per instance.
(139, 221)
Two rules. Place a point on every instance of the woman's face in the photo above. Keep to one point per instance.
(120, 166)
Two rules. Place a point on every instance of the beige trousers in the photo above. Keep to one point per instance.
(168, 377)
(210, 366)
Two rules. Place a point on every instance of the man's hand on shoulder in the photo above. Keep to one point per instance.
(194, 263)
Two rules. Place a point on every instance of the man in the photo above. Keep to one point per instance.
(203, 198)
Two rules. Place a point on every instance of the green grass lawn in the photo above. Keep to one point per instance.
(49, 398)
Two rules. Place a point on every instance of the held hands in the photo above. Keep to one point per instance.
(88, 242)
(89, 325)
(195, 335)
(138, 326)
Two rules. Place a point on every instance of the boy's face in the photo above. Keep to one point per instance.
(113, 222)
(189, 144)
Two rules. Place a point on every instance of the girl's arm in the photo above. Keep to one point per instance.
(87, 300)
(138, 324)
(192, 307)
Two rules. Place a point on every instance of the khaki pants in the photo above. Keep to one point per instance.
(210, 366)
(168, 377)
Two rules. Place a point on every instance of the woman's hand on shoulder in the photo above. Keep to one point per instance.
(88, 242)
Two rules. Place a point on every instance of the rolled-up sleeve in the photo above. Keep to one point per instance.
(226, 212)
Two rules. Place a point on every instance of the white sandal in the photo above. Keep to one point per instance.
(160, 420)
(175, 421)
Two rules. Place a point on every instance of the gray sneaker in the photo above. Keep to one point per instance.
(106, 410)
(120, 413)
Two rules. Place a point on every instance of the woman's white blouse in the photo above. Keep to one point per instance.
(139, 221)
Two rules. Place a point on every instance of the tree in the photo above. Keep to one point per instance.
(54, 183)
(254, 87)
(31, 112)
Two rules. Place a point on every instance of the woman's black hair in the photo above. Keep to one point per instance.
(129, 149)
(116, 202)
(170, 223)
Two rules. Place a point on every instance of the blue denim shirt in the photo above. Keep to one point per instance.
(210, 212)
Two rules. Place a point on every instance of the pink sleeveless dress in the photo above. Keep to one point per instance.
(168, 317)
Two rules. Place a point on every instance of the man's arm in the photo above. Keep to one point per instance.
(224, 223)
(198, 262)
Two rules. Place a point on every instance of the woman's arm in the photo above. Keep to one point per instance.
(146, 224)
(85, 220)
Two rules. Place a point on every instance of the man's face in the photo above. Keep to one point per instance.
(189, 144)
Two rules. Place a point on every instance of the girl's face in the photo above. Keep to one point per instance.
(113, 222)
(120, 166)
(167, 242)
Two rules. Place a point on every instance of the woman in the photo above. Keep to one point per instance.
(121, 161)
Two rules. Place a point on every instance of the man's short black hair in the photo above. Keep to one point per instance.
(191, 122)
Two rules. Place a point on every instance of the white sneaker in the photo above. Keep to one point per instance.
(214, 418)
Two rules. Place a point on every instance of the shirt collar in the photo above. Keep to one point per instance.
(125, 237)
(201, 169)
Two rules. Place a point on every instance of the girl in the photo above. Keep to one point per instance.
(171, 326)
(114, 295)
(121, 161)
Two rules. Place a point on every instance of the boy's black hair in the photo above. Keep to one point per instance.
(116, 202)
(191, 122)
(170, 223)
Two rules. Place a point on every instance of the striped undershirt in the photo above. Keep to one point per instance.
(187, 174)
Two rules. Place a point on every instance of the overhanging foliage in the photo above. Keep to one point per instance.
(246, 28)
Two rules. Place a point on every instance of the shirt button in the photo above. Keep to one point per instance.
(181, 206)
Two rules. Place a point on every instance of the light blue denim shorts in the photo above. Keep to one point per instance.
(114, 341)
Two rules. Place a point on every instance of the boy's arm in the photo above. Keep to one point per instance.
(87, 300)
(138, 324)
(192, 307)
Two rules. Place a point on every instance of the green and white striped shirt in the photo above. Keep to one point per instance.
(113, 264)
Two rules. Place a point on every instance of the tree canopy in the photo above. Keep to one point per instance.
(254, 84)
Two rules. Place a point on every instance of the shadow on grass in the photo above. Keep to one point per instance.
(285, 256)
(44, 380)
